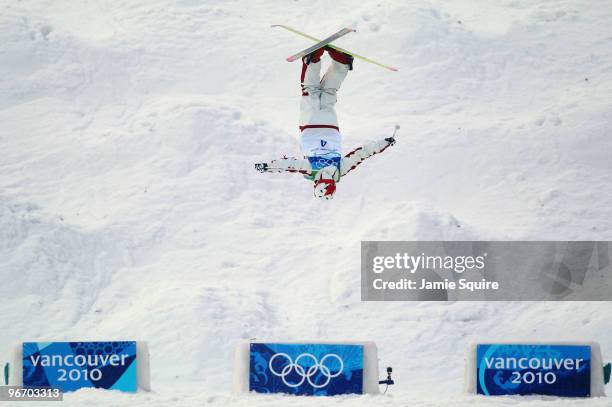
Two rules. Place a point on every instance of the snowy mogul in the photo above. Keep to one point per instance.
(320, 139)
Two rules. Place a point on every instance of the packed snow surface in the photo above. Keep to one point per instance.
(129, 207)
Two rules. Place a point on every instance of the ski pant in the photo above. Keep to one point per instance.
(317, 106)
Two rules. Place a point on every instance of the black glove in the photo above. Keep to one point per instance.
(390, 140)
(261, 167)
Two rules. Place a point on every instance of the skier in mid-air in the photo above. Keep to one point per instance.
(320, 138)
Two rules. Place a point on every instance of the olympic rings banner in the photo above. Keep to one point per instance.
(71, 366)
(306, 369)
(553, 370)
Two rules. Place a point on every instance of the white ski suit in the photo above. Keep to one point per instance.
(320, 138)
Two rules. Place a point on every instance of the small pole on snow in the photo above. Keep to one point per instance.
(397, 127)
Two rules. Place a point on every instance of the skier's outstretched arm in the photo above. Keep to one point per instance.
(286, 164)
(360, 154)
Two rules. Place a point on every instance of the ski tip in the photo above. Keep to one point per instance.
(393, 69)
(290, 59)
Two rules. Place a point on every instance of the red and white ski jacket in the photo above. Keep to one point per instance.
(347, 163)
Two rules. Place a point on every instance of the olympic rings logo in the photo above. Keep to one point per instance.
(306, 373)
(324, 162)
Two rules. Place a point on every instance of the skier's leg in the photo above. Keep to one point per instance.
(311, 69)
(334, 76)
(341, 64)
(331, 82)
(310, 81)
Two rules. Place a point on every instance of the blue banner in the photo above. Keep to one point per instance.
(306, 369)
(71, 366)
(553, 370)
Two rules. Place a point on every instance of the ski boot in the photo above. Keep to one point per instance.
(314, 56)
(341, 57)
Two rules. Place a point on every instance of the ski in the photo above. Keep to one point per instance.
(321, 43)
(371, 61)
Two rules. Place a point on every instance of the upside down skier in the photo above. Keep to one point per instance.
(320, 138)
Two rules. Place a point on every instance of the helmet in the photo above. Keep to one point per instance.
(325, 188)
(325, 182)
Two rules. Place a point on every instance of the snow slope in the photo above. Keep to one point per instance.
(129, 207)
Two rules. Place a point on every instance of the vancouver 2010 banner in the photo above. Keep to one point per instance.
(554, 370)
(70, 366)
